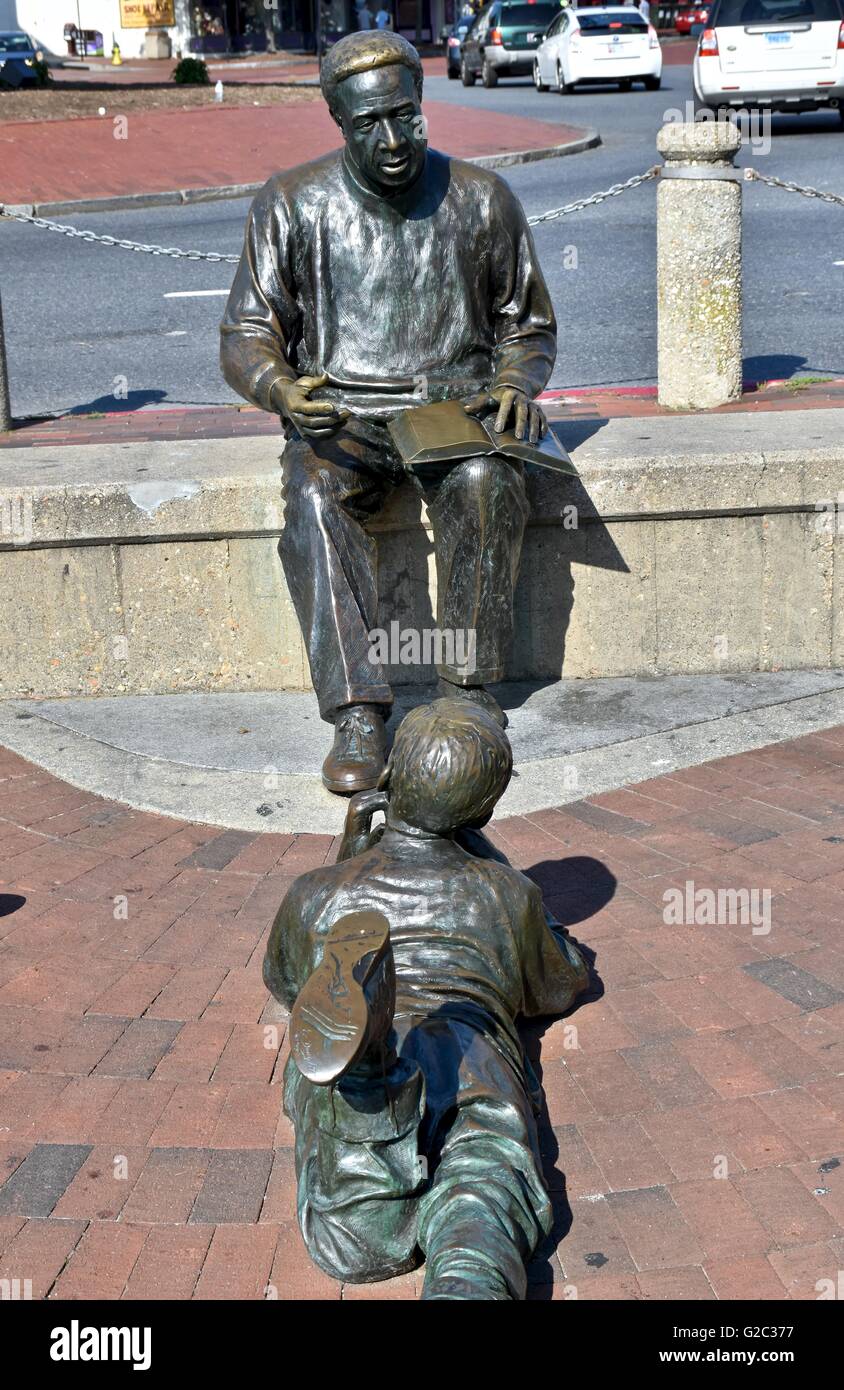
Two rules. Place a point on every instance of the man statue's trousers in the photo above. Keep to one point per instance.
(332, 488)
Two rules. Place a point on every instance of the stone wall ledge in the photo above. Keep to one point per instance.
(629, 470)
(687, 544)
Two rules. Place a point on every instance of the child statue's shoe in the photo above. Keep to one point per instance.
(345, 1009)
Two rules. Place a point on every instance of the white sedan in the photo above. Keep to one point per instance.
(613, 43)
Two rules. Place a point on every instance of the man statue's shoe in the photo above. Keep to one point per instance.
(345, 1009)
(356, 760)
(478, 694)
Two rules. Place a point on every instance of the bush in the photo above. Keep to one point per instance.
(193, 71)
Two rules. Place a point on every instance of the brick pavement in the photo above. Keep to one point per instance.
(54, 161)
(220, 421)
(694, 1120)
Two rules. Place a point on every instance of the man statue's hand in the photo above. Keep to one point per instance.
(529, 417)
(316, 419)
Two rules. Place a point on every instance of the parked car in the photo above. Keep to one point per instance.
(503, 40)
(611, 43)
(454, 40)
(689, 16)
(783, 55)
(18, 56)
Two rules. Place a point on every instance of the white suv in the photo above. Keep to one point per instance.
(784, 55)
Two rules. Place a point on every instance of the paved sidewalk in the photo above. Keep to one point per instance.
(692, 1137)
(221, 421)
(55, 161)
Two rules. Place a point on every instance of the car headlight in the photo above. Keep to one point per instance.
(30, 62)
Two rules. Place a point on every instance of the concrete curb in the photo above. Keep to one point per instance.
(182, 196)
(239, 799)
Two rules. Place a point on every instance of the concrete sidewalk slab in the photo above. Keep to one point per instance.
(252, 761)
(49, 162)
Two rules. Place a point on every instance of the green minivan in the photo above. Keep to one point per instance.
(503, 40)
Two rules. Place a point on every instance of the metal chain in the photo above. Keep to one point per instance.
(596, 198)
(753, 176)
(121, 242)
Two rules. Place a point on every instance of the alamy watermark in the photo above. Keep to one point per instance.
(427, 646)
(16, 518)
(690, 906)
(754, 126)
(830, 515)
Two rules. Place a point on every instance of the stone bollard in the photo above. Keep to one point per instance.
(699, 266)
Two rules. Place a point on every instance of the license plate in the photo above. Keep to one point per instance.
(782, 39)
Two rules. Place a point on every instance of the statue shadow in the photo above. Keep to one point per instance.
(120, 405)
(564, 530)
(781, 366)
(573, 889)
(11, 902)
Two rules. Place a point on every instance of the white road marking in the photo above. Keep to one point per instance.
(177, 333)
(191, 294)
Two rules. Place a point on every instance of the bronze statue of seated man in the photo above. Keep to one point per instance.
(405, 967)
(375, 279)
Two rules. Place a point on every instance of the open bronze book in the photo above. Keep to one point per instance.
(442, 432)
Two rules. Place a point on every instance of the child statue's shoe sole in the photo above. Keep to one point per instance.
(330, 1020)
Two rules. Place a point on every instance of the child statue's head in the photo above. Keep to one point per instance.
(450, 763)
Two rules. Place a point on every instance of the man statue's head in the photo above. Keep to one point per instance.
(372, 82)
(450, 763)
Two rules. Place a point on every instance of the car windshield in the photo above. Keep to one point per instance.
(15, 43)
(736, 12)
(536, 16)
(616, 22)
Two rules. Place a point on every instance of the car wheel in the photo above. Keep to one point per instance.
(653, 84)
(466, 77)
(537, 80)
(489, 76)
(563, 87)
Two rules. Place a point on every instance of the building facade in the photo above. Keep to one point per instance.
(217, 26)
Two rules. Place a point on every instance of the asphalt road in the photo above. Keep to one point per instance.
(91, 328)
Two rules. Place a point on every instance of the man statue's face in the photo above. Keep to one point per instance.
(382, 123)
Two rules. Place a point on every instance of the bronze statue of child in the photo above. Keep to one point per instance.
(406, 966)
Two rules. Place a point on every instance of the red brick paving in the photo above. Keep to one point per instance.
(694, 1122)
(224, 421)
(56, 161)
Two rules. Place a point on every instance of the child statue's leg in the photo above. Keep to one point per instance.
(358, 1169)
(356, 1110)
(481, 1221)
(487, 1207)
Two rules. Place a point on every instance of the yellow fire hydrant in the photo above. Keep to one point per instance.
(116, 60)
